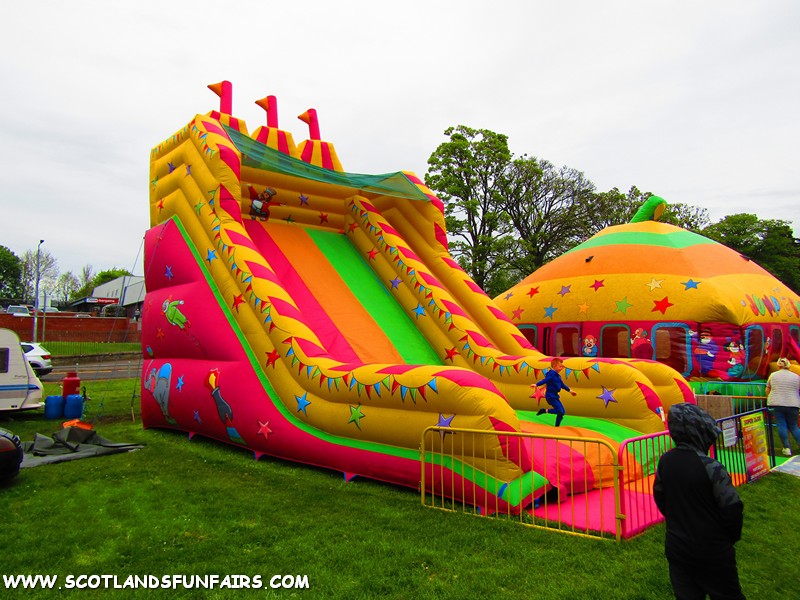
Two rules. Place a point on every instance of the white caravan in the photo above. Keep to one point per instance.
(20, 389)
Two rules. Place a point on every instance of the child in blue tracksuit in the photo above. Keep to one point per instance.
(555, 384)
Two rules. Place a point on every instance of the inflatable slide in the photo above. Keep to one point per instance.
(316, 315)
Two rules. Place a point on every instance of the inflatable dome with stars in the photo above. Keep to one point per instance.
(651, 290)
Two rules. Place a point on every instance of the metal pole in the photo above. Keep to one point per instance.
(36, 299)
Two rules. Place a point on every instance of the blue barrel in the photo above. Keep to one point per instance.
(54, 407)
(73, 408)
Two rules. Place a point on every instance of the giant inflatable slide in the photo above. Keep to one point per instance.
(315, 315)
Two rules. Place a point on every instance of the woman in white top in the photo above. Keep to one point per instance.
(783, 392)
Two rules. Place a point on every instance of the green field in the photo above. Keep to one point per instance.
(200, 508)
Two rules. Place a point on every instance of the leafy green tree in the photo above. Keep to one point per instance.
(692, 218)
(548, 208)
(468, 174)
(10, 274)
(613, 208)
(768, 242)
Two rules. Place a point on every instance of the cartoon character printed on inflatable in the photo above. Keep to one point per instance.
(736, 359)
(590, 346)
(259, 207)
(705, 351)
(640, 344)
(158, 384)
(224, 409)
(174, 315)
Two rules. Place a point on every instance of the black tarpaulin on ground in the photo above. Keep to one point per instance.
(71, 443)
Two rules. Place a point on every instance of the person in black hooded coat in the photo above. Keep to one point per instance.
(702, 509)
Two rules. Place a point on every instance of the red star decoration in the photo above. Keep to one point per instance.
(353, 227)
(160, 204)
(598, 283)
(538, 394)
(272, 357)
(451, 352)
(237, 300)
(160, 333)
(517, 314)
(264, 429)
(323, 218)
(372, 254)
(533, 291)
(662, 305)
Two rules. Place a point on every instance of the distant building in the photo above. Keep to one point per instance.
(126, 292)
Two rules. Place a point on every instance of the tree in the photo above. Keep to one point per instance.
(768, 242)
(614, 208)
(548, 208)
(687, 216)
(10, 274)
(467, 172)
(48, 272)
(66, 285)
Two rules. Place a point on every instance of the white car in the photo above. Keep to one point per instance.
(18, 310)
(38, 357)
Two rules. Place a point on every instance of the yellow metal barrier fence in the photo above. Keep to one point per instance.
(568, 484)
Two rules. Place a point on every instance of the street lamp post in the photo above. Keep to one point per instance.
(36, 299)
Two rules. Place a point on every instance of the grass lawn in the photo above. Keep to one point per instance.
(201, 507)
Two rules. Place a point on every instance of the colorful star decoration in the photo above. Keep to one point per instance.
(237, 301)
(538, 393)
(419, 311)
(445, 422)
(533, 291)
(272, 357)
(180, 384)
(549, 311)
(263, 429)
(598, 283)
(356, 415)
(372, 254)
(607, 396)
(517, 314)
(302, 403)
(623, 305)
(303, 200)
(662, 305)
(565, 289)
(583, 308)
(690, 285)
(451, 353)
(654, 283)
(211, 255)
(508, 295)
(168, 272)
(395, 282)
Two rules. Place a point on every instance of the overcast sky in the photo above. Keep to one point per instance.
(694, 101)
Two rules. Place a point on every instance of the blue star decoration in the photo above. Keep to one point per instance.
(303, 200)
(197, 417)
(607, 396)
(168, 272)
(565, 289)
(302, 403)
(444, 422)
(420, 311)
(549, 310)
(690, 285)
(395, 282)
(356, 415)
(179, 385)
(508, 295)
(211, 255)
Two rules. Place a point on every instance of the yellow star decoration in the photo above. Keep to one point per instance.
(584, 308)
(654, 283)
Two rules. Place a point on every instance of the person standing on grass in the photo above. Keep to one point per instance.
(783, 397)
(703, 511)
(554, 384)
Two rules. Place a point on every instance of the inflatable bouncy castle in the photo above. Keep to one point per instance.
(654, 291)
(316, 315)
